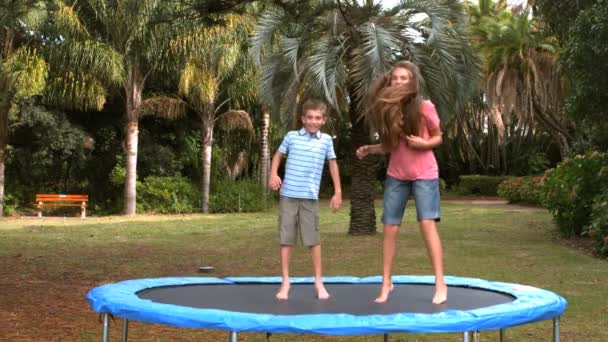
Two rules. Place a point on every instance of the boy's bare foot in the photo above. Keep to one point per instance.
(441, 294)
(283, 293)
(384, 292)
(322, 293)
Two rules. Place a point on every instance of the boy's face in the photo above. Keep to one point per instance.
(313, 120)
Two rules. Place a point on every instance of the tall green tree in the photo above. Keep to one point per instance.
(582, 30)
(109, 47)
(334, 49)
(216, 63)
(23, 71)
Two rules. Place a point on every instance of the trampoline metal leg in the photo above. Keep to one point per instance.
(125, 329)
(503, 335)
(385, 337)
(466, 337)
(476, 336)
(234, 336)
(556, 329)
(105, 337)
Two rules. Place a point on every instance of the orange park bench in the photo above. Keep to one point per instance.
(55, 200)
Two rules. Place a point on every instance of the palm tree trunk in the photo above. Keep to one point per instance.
(133, 95)
(265, 160)
(5, 107)
(362, 211)
(206, 143)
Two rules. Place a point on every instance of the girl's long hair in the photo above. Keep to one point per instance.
(394, 111)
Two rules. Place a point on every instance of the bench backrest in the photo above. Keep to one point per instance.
(61, 198)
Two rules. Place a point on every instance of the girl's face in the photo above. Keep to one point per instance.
(401, 77)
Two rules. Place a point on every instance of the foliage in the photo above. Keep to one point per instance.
(521, 189)
(582, 29)
(48, 154)
(569, 190)
(243, 195)
(478, 185)
(164, 195)
(598, 227)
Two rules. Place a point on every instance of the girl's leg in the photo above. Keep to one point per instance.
(428, 228)
(388, 253)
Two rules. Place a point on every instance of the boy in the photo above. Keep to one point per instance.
(307, 150)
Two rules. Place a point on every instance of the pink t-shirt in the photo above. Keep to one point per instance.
(409, 164)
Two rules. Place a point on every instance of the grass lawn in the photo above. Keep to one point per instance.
(48, 265)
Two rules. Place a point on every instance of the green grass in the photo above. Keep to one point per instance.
(56, 261)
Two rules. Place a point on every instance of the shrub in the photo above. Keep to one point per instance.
(478, 185)
(166, 195)
(569, 190)
(244, 195)
(598, 227)
(521, 189)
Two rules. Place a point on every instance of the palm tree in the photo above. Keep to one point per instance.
(107, 46)
(335, 48)
(218, 56)
(23, 71)
(522, 82)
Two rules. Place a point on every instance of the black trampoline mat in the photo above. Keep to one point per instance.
(354, 299)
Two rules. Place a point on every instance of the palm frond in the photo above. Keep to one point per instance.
(373, 56)
(68, 22)
(75, 91)
(25, 72)
(326, 69)
(165, 107)
(237, 119)
(263, 33)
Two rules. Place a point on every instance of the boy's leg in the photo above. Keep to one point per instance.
(288, 213)
(428, 229)
(388, 254)
(283, 292)
(315, 252)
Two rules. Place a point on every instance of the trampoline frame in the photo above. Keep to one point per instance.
(526, 298)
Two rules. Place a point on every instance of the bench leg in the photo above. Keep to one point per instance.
(83, 211)
(39, 209)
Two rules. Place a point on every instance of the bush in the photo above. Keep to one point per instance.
(243, 195)
(569, 190)
(478, 185)
(521, 189)
(598, 228)
(166, 195)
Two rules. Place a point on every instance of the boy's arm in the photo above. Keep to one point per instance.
(336, 200)
(275, 181)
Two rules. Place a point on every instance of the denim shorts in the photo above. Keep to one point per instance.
(396, 193)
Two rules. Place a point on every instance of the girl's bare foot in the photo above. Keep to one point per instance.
(283, 293)
(441, 294)
(384, 292)
(322, 293)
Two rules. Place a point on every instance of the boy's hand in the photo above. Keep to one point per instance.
(336, 202)
(275, 182)
(362, 151)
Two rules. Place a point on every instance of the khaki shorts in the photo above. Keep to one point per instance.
(299, 217)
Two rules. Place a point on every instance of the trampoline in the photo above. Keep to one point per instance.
(247, 304)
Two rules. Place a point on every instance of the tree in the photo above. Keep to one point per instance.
(218, 55)
(109, 46)
(23, 71)
(334, 49)
(582, 31)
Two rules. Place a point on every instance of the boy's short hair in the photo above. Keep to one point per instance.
(314, 104)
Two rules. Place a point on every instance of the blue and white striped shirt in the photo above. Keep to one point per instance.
(304, 167)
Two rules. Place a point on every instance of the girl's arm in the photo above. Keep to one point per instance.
(364, 150)
(425, 144)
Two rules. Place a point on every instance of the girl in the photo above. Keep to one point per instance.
(408, 128)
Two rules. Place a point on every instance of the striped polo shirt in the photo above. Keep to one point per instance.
(306, 154)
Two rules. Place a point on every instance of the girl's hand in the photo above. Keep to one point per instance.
(416, 142)
(362, 151)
